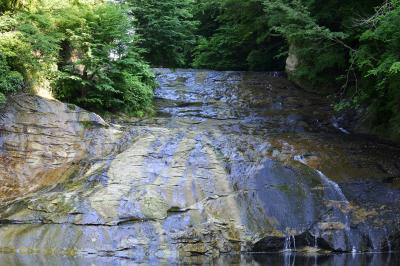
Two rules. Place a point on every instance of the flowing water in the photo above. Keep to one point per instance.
(234, 168)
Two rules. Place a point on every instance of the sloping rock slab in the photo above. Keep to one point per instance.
(43, 141)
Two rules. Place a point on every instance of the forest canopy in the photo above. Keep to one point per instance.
(99, 54)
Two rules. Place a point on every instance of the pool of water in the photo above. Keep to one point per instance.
(278, 259)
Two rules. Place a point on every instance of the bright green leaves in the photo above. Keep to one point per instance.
(87, 50)
(29, 46)
(394, 68)
(167, 30)
(98, 55)
(10, 81)
(378, 61)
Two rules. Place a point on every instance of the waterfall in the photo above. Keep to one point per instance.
(354, 250)
(338, 194)
(336, 125)
(300, 158)
(294, 243)
(286, 247)
(389, 244)
(315, 241)
(333, 192)
(289, 244)
(329, 183)
(289, 247)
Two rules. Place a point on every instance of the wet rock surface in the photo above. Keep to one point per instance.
(42, 142)
(232, 162)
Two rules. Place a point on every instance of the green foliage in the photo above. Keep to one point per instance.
(167, 30)
(10, 81)
(378, 61)
(88, 52)
(10, 5)
(102, 67)
(318, 49)
(27, 50)
(206, 12)
(338, 48)
(91, 51)
(346, 47)
(238, 38)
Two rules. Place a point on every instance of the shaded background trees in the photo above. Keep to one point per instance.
(235, 35)
(97, 53)
(345, 49)
(167, 30)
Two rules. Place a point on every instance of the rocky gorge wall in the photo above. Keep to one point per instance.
(232, 162)
(44, 141)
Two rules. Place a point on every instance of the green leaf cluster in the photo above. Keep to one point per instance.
(11, 5)
(235, 35)
(87, 52)
(102, 67)
(167, 29)
(28, 50)
(378, 61)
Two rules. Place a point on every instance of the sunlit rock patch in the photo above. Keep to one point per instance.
(43, 141)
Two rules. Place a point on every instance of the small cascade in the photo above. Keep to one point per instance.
(334, 192)
(288, 249)
(294, 243)
(389, 244)
(338, 195)
(286, 246)
(354, 250)
(290, 244)
(315, 241)
(336, 125)
(333, 185)
(300, 158)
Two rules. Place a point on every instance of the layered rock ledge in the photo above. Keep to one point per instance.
(233, 162)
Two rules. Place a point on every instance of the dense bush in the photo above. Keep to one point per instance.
(10, 5)
(378, 61)
(102, 67)
(354, 51)
(10, 81)
(28, 49)
(236, 35)
(167, 30)
(87, 53)
(317, 48)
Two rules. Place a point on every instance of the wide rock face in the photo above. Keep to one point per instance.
(233, 162)
(42, 143)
